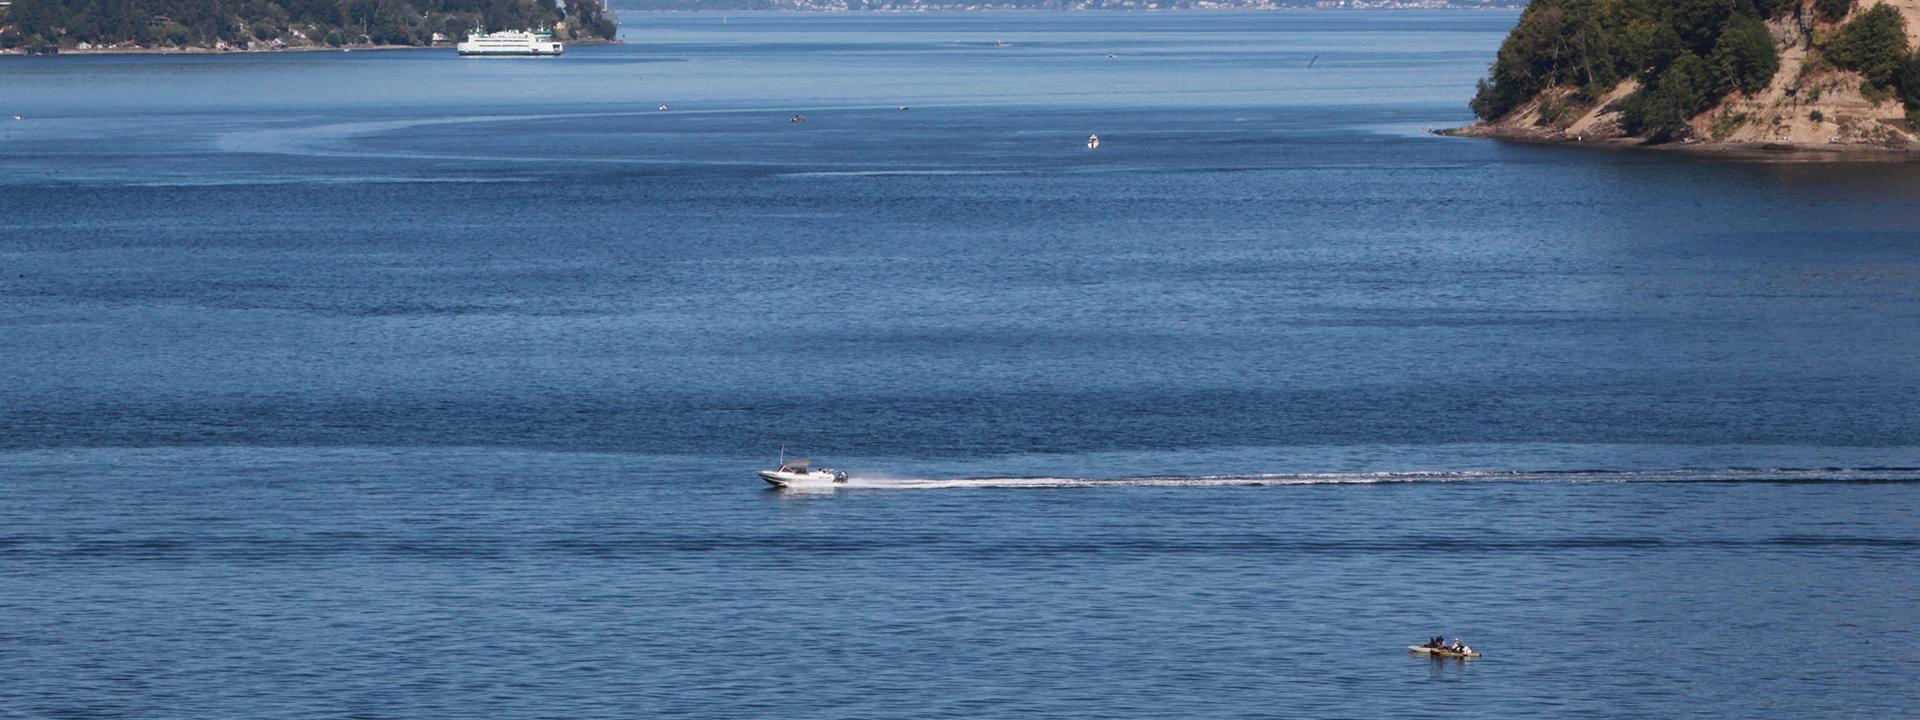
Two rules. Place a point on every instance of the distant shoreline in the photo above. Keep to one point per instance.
(1386, 6)
(21, 52)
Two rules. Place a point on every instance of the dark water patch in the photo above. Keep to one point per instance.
(483, 545)
(466, 407)
(1869, 478)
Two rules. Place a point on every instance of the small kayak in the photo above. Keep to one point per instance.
(1440, 652)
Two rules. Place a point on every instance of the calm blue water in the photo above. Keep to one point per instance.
(399, 385)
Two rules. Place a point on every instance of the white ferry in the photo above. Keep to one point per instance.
(511, 42)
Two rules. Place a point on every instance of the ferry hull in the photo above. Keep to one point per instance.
(535, 52)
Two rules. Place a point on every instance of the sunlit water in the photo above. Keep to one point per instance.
(404, 385)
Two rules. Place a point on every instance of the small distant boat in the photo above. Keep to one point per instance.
(536, 43)
(1093, 141)
(663, 106)
(798, 472)
(1441, 652)
(797, 118)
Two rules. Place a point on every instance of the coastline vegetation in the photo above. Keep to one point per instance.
(258, 24)
(1687, 55)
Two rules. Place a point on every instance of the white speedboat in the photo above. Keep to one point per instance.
(796, 472)
(511, 42)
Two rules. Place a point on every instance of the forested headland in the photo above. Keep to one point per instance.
(1830, 72)
(274, 24)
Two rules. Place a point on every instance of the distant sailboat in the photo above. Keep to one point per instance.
(1093, 141)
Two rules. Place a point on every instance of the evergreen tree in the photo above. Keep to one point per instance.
(1745, 57)
(1875, 43)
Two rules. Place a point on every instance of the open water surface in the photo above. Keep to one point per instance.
(403, 385)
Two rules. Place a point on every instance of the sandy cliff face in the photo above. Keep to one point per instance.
(1809, 104)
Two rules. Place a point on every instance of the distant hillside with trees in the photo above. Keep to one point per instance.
(266, 24)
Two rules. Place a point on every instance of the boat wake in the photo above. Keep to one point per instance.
(859, 481)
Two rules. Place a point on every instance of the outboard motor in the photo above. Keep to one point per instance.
(840, 477)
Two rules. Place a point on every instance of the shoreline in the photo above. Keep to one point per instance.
(20, 52)
(1745, 150)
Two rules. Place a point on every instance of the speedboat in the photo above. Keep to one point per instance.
(797, 472)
